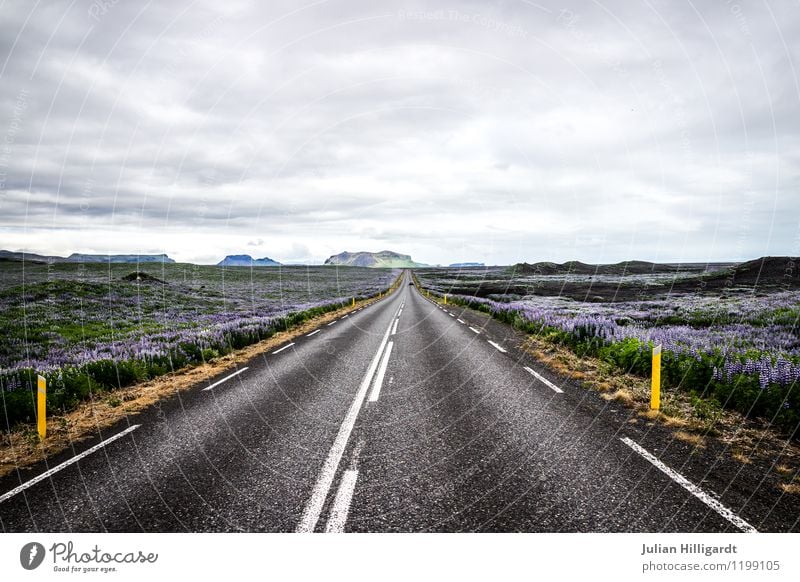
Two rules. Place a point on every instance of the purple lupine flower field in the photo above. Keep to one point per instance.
(97, 326)
(739, 344)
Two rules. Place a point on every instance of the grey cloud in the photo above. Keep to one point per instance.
(500, 131)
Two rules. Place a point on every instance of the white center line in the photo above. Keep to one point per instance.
(342, 501)
(473, 329)
(225, 379)
(65, 464)
(313, 332)
(331, 323)
(499, 348)
(394, 327)
(692, 488)
(543, 380)
(323, 485)
(376, 389)
(283, 348)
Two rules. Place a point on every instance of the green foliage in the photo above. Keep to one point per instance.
(695, 374)
(707, 409)
(70, 386)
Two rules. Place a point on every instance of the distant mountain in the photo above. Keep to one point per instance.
(81, 258)
(781, 272)
(466, 265)
(646, 267)
(32, 257)
(579, 268)
(383, 259)
(246, 261)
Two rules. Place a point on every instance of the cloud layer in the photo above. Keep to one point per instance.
(468, 131)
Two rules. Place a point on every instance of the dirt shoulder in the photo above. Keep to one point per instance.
(21, 447)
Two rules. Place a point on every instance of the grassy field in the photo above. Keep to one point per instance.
(730, 334)
(97, 327)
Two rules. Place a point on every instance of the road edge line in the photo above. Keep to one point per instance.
(722, 510)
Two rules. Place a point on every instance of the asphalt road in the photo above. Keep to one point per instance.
(403, 416)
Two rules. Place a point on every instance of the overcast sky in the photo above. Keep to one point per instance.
(449, 130)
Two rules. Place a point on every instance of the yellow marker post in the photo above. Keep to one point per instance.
(354, 302)
(655, 382)
(41, 407)
(445, 298)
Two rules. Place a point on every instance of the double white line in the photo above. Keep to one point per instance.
(323, 485)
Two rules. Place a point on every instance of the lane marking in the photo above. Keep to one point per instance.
(287, 346)
(323, 485)
(543, 380)
(376, 389)
(473, 329)
(692, 488)
(66, 464)
(225, 379)
(331, 323)
(394, 328)
(462, 321)
(450, 314)
(346, 316)
(342, 501)
(313, 332)
(498, 347)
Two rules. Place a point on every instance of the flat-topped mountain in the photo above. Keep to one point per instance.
(247, 261)
(382, 259)
(84, 258)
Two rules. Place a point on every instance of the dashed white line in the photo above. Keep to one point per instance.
(543, 380)
(323, 485)
(287, 346)
(331, 323)
(65, 464)
(346, 316)
(313, 332)
(225, 379)
(473, 329)
(462, 321)
(376, 389)
(497, 347)
(394, 327)
(342, 501)
(451, 315)
(692, 488)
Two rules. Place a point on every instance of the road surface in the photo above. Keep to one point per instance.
(403, 416)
